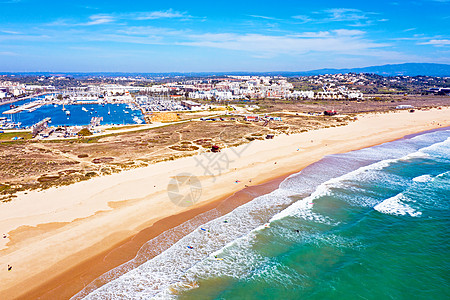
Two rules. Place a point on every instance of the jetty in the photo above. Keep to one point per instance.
(40, 126)
(32, 106)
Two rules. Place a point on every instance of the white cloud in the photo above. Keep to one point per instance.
(318, 34)
(7, 53)
(355, 17)
(130, 39)
(99, 19)
(153, 15)
(347, 32)
(24, 37)
(337, 41)
(435, 42)
(263, 17)
(9, 31)
(303, 18)
(325, 34)
(346, 14)
(150, 30)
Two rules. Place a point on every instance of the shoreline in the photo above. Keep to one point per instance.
(75, 278)
(289, 161)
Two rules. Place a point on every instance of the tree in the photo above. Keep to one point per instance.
(84, 132)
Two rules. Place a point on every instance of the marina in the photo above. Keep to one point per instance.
(26, 113)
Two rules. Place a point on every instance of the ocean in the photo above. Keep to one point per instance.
(368, 224)
(118, 114)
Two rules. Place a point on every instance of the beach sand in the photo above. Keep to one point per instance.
(59, 240)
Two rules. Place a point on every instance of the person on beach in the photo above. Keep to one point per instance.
(9, 268)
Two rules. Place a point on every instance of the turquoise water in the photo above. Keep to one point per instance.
(369, 224)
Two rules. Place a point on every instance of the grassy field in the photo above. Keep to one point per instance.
(8, 136)
(32, 164)
(123, 127)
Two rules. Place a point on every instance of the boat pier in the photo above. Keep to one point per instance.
(40, 126)
(32, 106)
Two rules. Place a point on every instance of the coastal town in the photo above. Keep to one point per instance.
(219, 88)
(155, 118)
(226, 88)
(150, 96)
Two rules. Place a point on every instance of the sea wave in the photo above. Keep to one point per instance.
(303, 208)
(396, 206)
(423, 178)
(168, 267)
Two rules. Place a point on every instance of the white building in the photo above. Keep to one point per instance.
(157, 89)
(301, 94)
(355, 95)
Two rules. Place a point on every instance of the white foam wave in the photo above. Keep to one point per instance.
(423, 178)
(239, 260)
(235, 260)
(396, 206)
(275, 273)
(418, 154)
(443, 174)
(167, 268)
(440, 148)
(302, 209)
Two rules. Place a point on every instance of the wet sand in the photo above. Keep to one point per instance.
(75, 279)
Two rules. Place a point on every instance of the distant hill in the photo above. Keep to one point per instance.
(408, 69)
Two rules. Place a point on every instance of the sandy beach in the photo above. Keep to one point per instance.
(59, 240)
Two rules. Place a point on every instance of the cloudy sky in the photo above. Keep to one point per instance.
(195, 36)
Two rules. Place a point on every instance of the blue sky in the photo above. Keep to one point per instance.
(196, 36)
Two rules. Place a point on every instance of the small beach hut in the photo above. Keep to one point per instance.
(330, 112)
(215, 148)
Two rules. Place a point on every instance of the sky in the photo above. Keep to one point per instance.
(219, 36)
